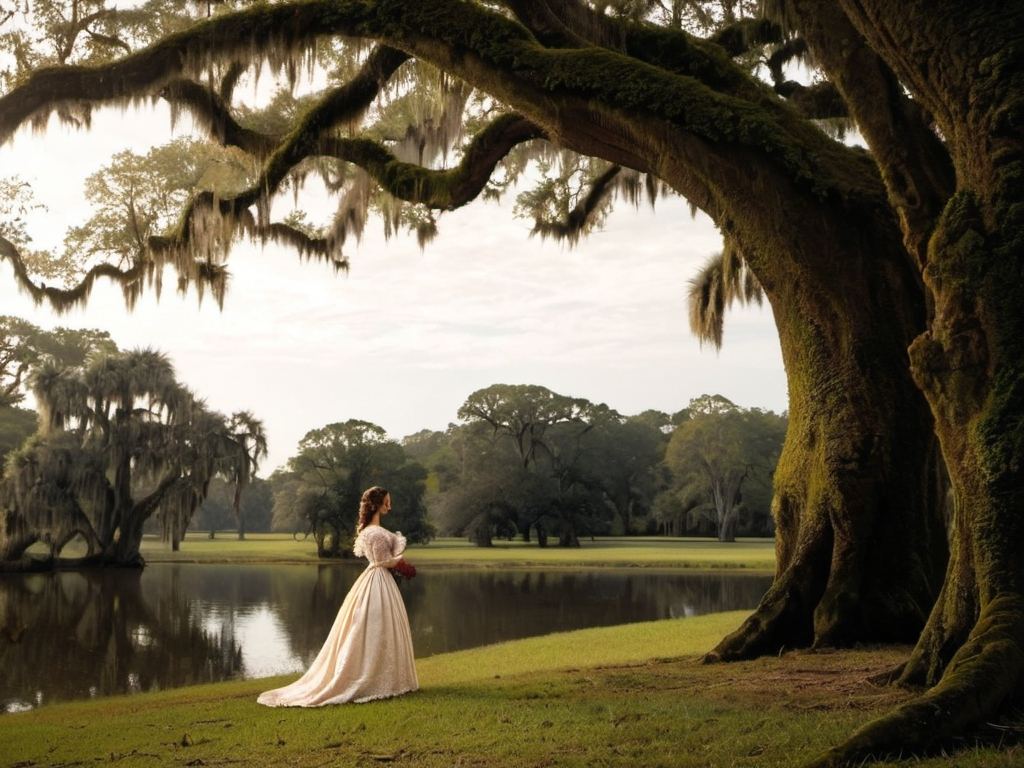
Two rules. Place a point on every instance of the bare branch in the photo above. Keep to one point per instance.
(582, 216)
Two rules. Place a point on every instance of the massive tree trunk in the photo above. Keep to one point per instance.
(964, 65)
(860, 542)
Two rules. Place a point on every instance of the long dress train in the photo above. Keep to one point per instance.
(368, 653)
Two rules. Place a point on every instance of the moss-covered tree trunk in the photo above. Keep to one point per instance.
(860, 543)
(965, 64)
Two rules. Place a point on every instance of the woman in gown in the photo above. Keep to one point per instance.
(368, 653)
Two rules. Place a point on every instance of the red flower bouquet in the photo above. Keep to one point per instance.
(402, 570)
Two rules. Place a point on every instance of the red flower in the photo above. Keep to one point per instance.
(402, 570)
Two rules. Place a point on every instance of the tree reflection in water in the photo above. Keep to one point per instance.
(100, 632)
(95, 633)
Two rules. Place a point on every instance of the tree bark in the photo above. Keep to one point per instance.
(963, 64)
(860, 543)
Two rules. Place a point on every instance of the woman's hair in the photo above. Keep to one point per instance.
(369, 504)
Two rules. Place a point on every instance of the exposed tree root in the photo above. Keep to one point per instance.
(984, 677)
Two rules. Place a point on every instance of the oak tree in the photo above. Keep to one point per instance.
(914, 244)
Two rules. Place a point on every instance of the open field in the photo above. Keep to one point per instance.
(626, 552)
(634, 695)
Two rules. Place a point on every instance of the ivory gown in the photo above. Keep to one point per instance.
(368, 653)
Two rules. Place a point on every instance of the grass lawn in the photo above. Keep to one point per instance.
(634, 695)
(628, 552)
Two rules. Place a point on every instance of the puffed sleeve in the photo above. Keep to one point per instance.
(359, 548)
(397, 544)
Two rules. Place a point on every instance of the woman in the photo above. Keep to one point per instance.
(368, 654)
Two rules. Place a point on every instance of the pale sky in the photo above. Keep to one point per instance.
(407, 335)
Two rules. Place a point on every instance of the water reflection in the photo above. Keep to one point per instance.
(98, 633)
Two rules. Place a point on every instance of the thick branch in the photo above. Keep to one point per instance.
(212, 112)
(914, 162)
(147, 505)
(130, 280)
(443, 189)
(746, 34)
(555, 27)
(62, 299)
(576, 223)
(258, 32)
(821, 101)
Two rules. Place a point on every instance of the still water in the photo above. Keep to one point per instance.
(99, 633)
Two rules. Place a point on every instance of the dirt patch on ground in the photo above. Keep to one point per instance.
(799, 680)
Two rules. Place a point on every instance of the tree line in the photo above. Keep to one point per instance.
(523, 461)
(119, 447)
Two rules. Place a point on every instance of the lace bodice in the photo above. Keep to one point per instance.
(379, 545)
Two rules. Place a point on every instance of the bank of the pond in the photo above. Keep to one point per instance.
(619, 696)
(601, 552)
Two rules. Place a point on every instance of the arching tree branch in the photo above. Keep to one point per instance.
(272, 33)
(210, 110)
(343, 104)
(130, 280)
(442, 189)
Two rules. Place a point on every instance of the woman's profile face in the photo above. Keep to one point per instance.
(385, 506)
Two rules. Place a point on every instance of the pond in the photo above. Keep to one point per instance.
(96, 633)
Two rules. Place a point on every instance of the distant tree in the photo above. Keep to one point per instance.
(16, 425)
(669, 512)
(247, 434)
(715, 451)
(120, 441)
(431, 449)
(481, 494)
(705, 404)
(624, 462)
(658, 420)
(327, 477)
(23, 345)
(217, 513)
(570, 469)
(17, 354)
(286, 513)
(214, 514)
(424, 444)
(523, 414)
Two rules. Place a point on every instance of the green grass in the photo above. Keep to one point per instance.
(633, 695)
(626, 552)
